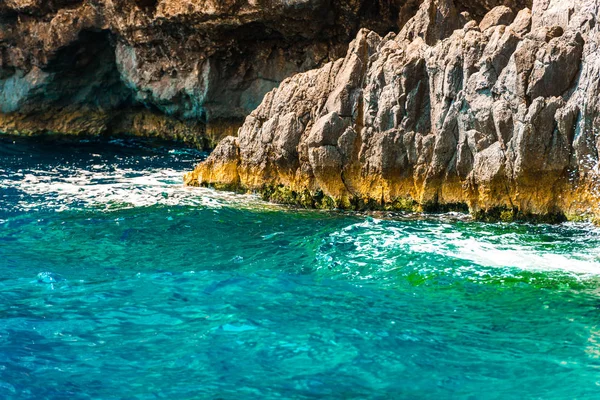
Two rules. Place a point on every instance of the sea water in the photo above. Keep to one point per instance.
(116, 282)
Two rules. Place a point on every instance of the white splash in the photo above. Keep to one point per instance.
(387, 243)
(118, 188)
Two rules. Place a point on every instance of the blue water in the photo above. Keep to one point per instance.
(118, 283)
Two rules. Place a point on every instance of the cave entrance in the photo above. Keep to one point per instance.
(147, 5)
(86, 74)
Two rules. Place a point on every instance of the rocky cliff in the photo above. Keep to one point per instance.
(499, 114)
(184, 69)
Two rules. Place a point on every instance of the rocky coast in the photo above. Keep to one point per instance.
(497, 113)
(490, 106)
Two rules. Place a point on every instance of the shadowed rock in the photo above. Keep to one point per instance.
(190, 70)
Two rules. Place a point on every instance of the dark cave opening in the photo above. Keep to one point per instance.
(147, 5)
(382, 16)
(81, 53)
(86, 74)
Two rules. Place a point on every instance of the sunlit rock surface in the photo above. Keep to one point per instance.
(496, 112)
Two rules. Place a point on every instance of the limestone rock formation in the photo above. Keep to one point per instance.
(172, 68)
(498, 112)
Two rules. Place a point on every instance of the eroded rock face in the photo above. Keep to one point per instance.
(501, 115)
(179, 68)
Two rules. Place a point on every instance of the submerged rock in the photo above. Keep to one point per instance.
(184, 69)
(499, 114)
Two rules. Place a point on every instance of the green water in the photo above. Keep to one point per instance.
(118, 283)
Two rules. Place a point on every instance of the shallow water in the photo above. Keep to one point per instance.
(117, 282)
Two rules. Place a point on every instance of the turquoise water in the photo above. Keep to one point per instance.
(118, 283)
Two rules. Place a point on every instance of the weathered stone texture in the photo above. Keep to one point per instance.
(501, 114)
(201, 63)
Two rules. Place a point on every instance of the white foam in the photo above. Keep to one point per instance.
(522, 257)
(375, 241)
(117, 189)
